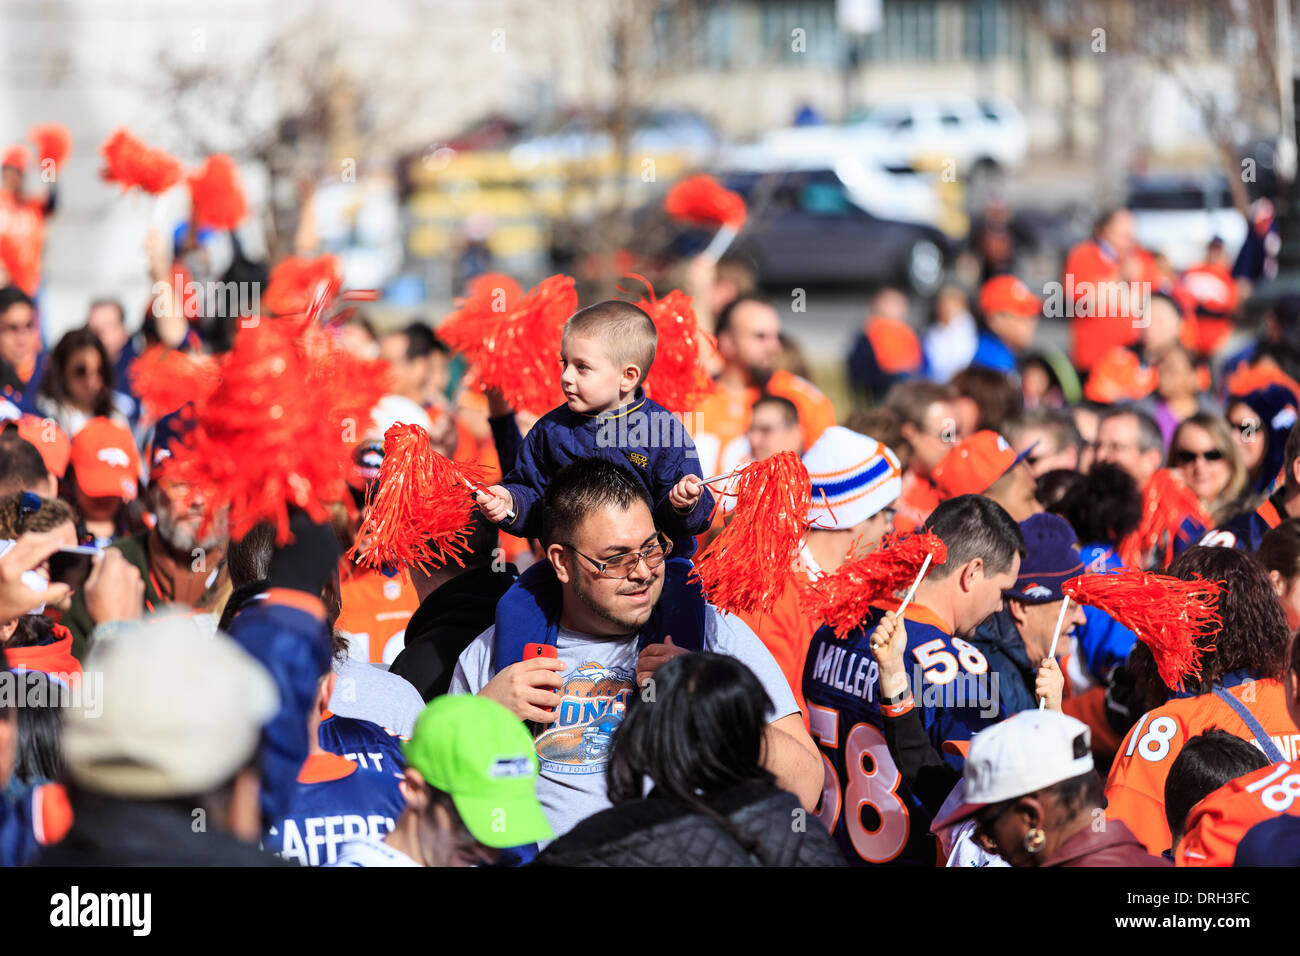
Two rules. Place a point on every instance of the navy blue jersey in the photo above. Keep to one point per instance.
(872, 813)
(334, 801)
(363, 742)
(1246, 531)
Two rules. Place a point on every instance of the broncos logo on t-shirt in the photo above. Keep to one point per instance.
(592, 701)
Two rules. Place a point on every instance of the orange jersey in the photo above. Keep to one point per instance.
(816, 413)
(720, 419)
(375, 611)
(1103, 312)
(22, 234)
(1136, 788)
(786, 631)
(1216, 825)
(724, 416)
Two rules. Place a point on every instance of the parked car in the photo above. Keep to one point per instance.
(983, 136)
(1179, 213)
(807, 226)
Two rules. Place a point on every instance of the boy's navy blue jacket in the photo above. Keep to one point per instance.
(642, 437)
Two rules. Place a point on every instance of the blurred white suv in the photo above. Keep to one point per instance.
(981, 134)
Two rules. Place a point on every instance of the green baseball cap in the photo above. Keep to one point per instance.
(480, 753)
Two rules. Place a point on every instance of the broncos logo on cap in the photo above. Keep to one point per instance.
(1037, 591)
(114, 456)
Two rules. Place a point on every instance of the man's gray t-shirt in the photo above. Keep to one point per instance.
(574, 751)
(371, 693)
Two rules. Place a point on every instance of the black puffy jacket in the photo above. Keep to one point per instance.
(660, 832)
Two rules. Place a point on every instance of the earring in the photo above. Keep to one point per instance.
(1035, 840)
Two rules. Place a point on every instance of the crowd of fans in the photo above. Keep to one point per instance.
(566, 695)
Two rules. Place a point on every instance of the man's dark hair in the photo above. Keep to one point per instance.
(1254, 637)
(11, 295)
(1205, 764)
(1150, 438)
(972, 526)
(480, 543)
(723, 322)
(21, 465)
(1104, 507)
(582, 487)
(249, 558)
(421, 341)
(789, 412)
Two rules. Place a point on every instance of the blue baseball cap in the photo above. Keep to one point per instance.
(1051, 558)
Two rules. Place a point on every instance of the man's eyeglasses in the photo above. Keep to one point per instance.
(1184, 457)
(621, 565)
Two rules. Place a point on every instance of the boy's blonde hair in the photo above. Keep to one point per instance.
(625, 330)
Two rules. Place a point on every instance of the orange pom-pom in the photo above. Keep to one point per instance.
(845, 596)
(271, 434)
(298, 282)
(745, 568)
(165, 379)
(1173, 617)
(53, 142)
(420, 510)
(678, 379)
(131, 163)
(701, 199)
(515, 348)
(216, 195)
(1166, 502)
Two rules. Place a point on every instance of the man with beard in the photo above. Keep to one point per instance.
(951, 684)
(177, 558)
(601, 541)
(749, 343)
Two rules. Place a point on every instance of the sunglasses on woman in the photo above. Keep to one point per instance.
(1184, 457)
